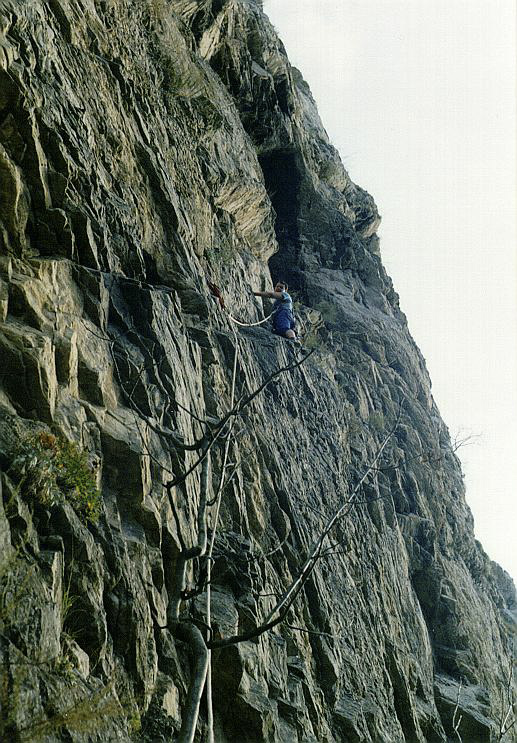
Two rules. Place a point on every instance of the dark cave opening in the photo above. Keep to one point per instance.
(283, 181)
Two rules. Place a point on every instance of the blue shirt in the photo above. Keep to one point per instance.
(284, 304)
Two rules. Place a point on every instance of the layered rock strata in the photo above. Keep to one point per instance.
(146, 149)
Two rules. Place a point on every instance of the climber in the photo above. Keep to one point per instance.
(283, 317)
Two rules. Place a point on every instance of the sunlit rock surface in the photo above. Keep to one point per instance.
(146, 148)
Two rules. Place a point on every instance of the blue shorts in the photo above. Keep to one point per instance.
(282, 322)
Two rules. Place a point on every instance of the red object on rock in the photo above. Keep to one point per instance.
(216, 292)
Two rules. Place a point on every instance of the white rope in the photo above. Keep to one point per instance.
(249, 324)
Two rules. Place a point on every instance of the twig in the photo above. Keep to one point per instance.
(235, 410)
(192, 415)
(178, 480)
(456, 721)
(147, 451)
(246, 401)
(228, 480)
(177, 522)
(278, 613)
(308, 631)
(506, 724)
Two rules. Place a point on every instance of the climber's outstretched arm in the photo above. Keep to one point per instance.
(270, 295)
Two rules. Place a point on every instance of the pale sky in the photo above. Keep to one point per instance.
(419, 97)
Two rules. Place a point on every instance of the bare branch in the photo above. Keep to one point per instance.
(264, 555)
(177, 522)
(343, 510)
(308, 506)
(308, 631)
(508, 718)
(160, 430)
(466, 440)
(200, 548)
(215, 523)
(147, 451)
(235, 410)
(155, 364)
(257, 631)
(330, 553)
(244, 402)
(178, 480)
(278, 613)
(224, 483)
(456, 720)
(507, 728)
(193, 415)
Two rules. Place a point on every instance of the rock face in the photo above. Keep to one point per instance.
(145, 149)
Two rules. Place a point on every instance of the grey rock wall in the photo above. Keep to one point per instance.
(146, 148)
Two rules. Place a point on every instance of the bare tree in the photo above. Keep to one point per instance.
(196, 634)
(456, 716)
(215, 431)
(507, 718)
(187, 631)
(182, 628)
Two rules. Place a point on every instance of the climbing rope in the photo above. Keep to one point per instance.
(248, 324)
(216, 293)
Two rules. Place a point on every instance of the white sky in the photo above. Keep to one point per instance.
(419, 97)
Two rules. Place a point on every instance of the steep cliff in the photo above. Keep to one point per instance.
(146, 149)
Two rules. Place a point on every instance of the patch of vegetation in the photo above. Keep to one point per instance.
(87, 714)
(53, 469)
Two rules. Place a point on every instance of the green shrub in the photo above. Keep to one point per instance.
(86, 714)
(53, 469)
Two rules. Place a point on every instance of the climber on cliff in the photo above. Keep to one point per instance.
(283, 317)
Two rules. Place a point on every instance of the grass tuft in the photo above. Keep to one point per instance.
(53, 469)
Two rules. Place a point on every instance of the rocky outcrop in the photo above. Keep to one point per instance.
(145, 149)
